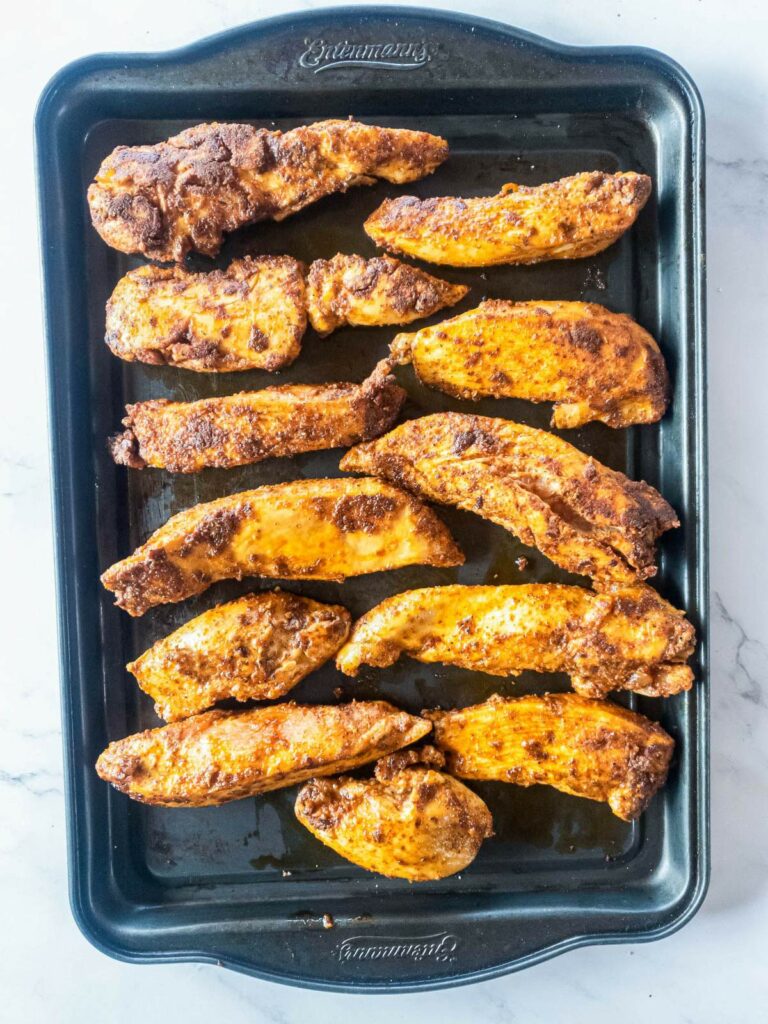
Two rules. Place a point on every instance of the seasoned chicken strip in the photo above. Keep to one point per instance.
(305, 529)
(593, 364)
(227, 755)
(256, 648)
(624, 640)
(235, 430)
(408, 822)
(588, 748)
(562, 220)
(251, 316)
(587, 518)
(368, 293)
(184, 194)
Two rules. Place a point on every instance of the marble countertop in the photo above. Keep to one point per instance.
(712, 970)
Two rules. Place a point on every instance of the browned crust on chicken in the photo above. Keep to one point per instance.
(415, 823)
(227, 755)
(588, 748)
(236, 430)
(184, 194)
(424, 756)
(566, 219)
(370, 292)
(587, 518)
(592, 363)
(251, 316)
(305, 529)
(255, 648)
(628, 639)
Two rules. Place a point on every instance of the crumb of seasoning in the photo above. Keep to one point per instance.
(595, 279)
(521, 563)
(338, 693)
(328, 921)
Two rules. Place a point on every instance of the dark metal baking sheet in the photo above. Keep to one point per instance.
(244, 885)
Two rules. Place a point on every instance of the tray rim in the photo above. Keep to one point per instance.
(63, 80)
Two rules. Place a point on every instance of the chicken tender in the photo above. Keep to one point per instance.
(368, 293)
(412, 822)
(227, 755)
(184, 194)
(251, 316)
(562, 220)
(587, 518)
(588, 748)
(305, 529)
(624, 640)
(256, 648)
(593, 364)
(235, 430)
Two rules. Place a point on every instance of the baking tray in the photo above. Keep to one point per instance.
(243, 885)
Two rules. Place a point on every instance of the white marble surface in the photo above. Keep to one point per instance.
(711, 971)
